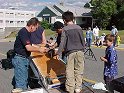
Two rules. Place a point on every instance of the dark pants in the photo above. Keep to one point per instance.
(114, 43)
(108, 84)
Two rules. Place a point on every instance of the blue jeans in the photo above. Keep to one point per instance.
(21, 65)
(89, 42)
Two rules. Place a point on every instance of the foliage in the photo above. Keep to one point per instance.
(45, 24)
(118, 18)
(108, 13)
(103, 11)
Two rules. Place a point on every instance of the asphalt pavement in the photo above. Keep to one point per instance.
(93, 71)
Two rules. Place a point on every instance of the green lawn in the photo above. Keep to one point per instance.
(120, 33)
(48, 32)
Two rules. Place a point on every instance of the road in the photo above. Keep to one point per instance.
(93, 69)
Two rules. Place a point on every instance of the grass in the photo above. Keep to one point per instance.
(48, 32)
(13, 34)
(120, 33)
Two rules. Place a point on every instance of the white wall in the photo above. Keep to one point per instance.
(14, 18)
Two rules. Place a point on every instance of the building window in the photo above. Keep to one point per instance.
(18, 21)
(22, 14)
(7, 13)
(7, 21)
(11, 21)
(1, 21)
(11, 13)
(22, 21)
(1, 13)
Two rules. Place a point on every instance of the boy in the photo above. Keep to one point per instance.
(102, 39)
(72, 41)
(110, 60)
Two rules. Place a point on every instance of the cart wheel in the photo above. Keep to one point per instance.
(33, 83)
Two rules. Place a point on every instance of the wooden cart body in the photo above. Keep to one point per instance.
(49, 72)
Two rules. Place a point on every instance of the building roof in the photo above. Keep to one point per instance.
(59, 9)
(77, 11)
(54, 10)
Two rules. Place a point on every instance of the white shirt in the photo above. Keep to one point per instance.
(96, 31)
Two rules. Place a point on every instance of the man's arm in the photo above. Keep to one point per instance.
(35, 49)
(26, 42)
(43, 37)
(82, 39)
(62, 43)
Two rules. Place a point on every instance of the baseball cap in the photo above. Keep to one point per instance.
(57, 25)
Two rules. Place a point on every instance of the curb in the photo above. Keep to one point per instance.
(103, 47)
(90, 81)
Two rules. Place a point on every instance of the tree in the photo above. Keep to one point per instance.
(45, 24)
(103, 11)
(118, 18)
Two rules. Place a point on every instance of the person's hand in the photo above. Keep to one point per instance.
(101, 58)
(57, 57)
(43, 49)
(56, 50)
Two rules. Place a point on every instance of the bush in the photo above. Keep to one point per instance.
(45, 24)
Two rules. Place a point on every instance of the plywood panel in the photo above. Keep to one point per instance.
(48, 66)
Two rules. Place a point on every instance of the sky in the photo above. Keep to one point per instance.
(37, 5)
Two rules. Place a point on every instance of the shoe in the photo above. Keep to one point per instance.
(78, 91)
(17, 90)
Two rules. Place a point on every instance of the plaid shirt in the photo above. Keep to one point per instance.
(110, 67)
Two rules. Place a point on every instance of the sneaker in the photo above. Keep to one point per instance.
(77, 90)
(17, 90)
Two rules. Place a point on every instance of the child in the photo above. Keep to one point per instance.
(50, 42)
(118, 40)
(102, 39)
(72, 41)
(110, 62)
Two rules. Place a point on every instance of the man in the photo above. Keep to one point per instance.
(23, 48)
(72, 42)
(96, 34)
(57, 26)
(114, 32)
